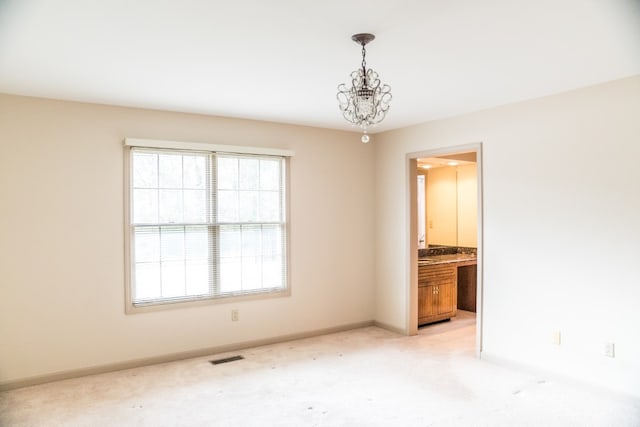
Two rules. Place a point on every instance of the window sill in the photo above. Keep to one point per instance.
(233, 298)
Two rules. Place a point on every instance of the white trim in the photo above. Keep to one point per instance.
(411, 325)
(203, 146)
(389, 328)
(131, 307)
(480, 253)
(172, 357)
(554, 375)
(128, 256)
(412, 217)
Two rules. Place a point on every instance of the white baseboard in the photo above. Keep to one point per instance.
(390, 328)
(136, 363)
(556, 376)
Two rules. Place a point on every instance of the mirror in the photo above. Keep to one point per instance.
(447, 200)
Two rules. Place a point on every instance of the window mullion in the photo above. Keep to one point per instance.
(157, 160)
(184, 229)
(214, 269)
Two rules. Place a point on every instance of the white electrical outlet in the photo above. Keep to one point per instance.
(610, 349)
(557, 338)
(235, 315)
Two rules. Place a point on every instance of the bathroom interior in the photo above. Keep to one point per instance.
(447, 213)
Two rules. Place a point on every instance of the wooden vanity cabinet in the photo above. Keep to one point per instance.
(437, 292)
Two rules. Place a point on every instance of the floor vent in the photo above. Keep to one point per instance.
(226, 359)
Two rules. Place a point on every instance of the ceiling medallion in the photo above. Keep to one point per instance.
(366, 102)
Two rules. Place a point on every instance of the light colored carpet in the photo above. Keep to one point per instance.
(364, 377)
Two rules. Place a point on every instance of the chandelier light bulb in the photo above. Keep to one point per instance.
(366, 102)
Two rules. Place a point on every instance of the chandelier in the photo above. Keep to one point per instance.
(366, 102)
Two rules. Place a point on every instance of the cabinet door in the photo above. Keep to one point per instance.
(447, 298)
(426, 303)
(437, 293)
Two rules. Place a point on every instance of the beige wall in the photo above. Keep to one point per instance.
(61, 237)
(467, 192)
(561, 189)
(442, 207)
(560, 241)
(451, 199)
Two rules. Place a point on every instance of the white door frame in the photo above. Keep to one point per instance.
(412, 204)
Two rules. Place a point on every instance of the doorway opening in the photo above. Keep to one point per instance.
(445, 205)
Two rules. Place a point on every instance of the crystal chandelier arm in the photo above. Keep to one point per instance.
(367, 101)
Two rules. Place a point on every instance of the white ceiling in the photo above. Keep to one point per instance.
(282, 60)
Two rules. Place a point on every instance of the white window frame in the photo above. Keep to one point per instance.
(129, 144)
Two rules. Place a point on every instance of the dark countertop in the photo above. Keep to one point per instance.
(447, 259)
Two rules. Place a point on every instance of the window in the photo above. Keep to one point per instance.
(205, 225)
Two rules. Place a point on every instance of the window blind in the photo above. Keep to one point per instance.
(206, 225)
